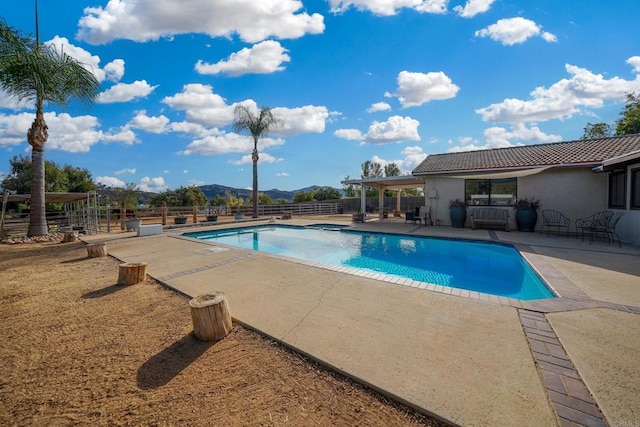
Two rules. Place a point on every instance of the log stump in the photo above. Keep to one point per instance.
(211, 316)
(130, 273)
(70, 236)
(97, 250)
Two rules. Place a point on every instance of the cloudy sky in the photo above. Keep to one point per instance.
(353, 80)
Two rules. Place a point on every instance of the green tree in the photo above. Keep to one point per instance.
(629, 122)
(263, 199)
(128, 195)
(31, 72)
(183, 196)
(391, 169)
(350, 190)
(326, 193)
(303, 196)
(371, 170)
(257, 125)
(80, 180)
(57, 179)
(217, 200)
(597, 130)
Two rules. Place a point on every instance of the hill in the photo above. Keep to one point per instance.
(213, 190)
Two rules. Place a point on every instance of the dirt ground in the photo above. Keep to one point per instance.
(78, 349)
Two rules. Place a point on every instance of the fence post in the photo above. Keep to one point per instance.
(164, 213)
(195, 214)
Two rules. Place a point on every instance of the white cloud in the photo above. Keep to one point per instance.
(634, 61)
(110, 181)
(395, 129)
(126, 171)
(113, 71)
(283, 174)
(473, 8)
(350, 134)
(13, 128)
(125, 92)
(227, 143)
(263, 158)
(307, 119)
(390, 7)
(144, 20)
(263, 58)
(73, 134)
(499, 137)
(379, 106)
(562, 99)
(415, 89)
(149, 124)
(511, 31)
(12, 103)
(153, 185)
(413, 156)
(202, 106)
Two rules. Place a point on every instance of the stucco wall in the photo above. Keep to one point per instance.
(576, 192)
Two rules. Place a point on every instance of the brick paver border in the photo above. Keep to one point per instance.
(568, 394)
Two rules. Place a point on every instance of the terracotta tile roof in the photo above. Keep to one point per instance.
(560, 153)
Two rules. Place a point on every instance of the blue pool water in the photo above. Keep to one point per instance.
(482, 267)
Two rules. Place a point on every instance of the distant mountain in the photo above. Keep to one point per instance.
(212, 190)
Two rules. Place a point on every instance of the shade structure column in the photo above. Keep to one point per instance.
(363, 198)
(381, 203)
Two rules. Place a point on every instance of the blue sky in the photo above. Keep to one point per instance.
(383, 80)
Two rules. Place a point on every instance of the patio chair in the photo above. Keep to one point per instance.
(552, 218)
(409, 216)
(595, 221)
(607, 228)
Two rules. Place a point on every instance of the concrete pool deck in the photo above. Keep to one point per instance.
(467, 359)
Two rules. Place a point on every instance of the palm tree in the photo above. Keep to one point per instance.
(31, 72)
(256, 124)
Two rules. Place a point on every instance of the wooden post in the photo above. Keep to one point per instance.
(211, 316)
(165, 210)
(97, 250)
(130, 273)
(70, 236)
(123, 216)
(195, 214)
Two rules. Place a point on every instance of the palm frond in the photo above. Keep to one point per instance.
(30, 72)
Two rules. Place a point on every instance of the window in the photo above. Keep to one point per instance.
(617, 189)
(491, 192)
(635, 188)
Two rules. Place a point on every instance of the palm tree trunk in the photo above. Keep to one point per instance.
(254, 158)
(37, 136)
(37, 217)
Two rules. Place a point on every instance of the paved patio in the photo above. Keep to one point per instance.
(468, 358)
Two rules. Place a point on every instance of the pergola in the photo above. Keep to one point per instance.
(80, 209)
(386, 183)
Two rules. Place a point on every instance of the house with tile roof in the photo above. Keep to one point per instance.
(577, 178)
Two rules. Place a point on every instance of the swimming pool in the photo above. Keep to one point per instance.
(476, 266)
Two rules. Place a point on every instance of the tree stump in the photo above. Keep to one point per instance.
(131, 273)
(211, 316)
(70, 236)
(97, 250)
